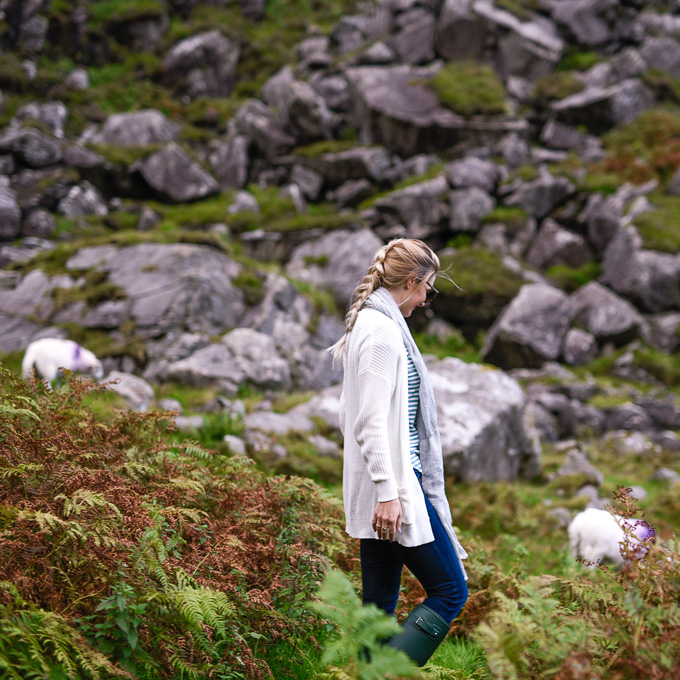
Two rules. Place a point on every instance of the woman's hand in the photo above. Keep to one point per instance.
(387, 519)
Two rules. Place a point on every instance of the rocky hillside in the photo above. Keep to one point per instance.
(192, 189)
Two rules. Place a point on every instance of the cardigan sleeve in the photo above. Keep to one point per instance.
(377, 371)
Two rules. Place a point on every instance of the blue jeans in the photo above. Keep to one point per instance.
(434, 564)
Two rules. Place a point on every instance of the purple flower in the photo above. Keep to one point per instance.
(640, 534)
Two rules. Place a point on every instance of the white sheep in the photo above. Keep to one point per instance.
(598, 535)
(49, 356)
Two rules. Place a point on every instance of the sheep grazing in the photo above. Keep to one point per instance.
(598, 535)
(49, 356)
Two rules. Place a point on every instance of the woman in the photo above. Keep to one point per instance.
(393, 476)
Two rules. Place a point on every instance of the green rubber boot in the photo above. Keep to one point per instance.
(423, 631)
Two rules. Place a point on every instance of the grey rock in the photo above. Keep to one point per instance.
(481, 416)
(51, 114)
(600, 109)
(648, 277)
(244, 201)
(32, 147)
(253, 9)
(576, 463)
(82, 200)
(229, 161)
(561, 516)
(392, 106)
(603, 314)
(409, 167)
(10, 213)
(665, 475)
(664, 331)
(110, 314)
(467, 209)
(542, 421)
(543, 195)
(662, 54)
(277, 423)
(7, 164)
(514, 149)
(338, 261)
(148, 219)
(325, 405)
(474, 172)
(664, 414)
(176, 176)
(579, 348)
(137, 129)
(189, 423)
(293, 192)
(257, 122)
(578, 419)
(628, 417)
(82, 158)
(138, 393)
(170, 404)
(561, 136)
(242, 356)
(310, 181)
(314, 45)
(529, 331)
(235, 444)
(78, 79)
(585, 20)
(334, 90)
(202, 65)
(419, 207)
(27, 248)
(556, 245)
(414, 42)
(353, 192)
(603, 216)
(325, 447)
(369, 163)
(460, 33)
(174, 286)
(378, 54)
(39, 223)
(673, 186)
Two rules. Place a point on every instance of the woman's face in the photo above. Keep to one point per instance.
(416, 294)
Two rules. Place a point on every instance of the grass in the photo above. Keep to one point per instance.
(513, 217)
(556, 86)
(522, 9)
(469, 89)
(660, 227)
(117, 11)
(571, 278)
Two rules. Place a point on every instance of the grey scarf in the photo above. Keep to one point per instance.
(426, 419)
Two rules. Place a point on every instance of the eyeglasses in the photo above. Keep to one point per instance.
(431, 293)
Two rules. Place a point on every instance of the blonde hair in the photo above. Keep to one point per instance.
(393, 265)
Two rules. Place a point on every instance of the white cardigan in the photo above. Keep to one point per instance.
(374, 423)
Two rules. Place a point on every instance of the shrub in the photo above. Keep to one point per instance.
(139, 553)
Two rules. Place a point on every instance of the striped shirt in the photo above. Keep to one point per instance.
(413, 402)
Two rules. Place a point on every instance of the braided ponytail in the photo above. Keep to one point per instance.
(392, 265)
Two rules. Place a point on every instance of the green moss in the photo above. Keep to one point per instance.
(322, 300)
(326, 146)
(647, 148)
(665, 87)
(94, 290)
(513, 217)
(557, 85)
(470, 89)
(316, 260)
(664, 367)
(570, 278)
(117, 11)
(250, 282)
(603, 182)
(454, 345)
(659, 228)
(578, 60)
(522, 9)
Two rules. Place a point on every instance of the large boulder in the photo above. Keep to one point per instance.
(31, 147)
(394, 107)
(603, 314)
(556, 245)
(474, 172)
(229, 161)
(171, 287)
(467, 208)
(586, 21)
(530, 330)
(51, 114)
(83, 199)
(413, 42)
(300, 109)
(360, 162)
(176, 177)
(243, 356)
(481, 418)
(137, 129)
(662, 54)
(601, 108)
(418, 207)
(202, 65)
(460, 32)
(261, 125)
(649, 278)
(337, 261)
(541, 196)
